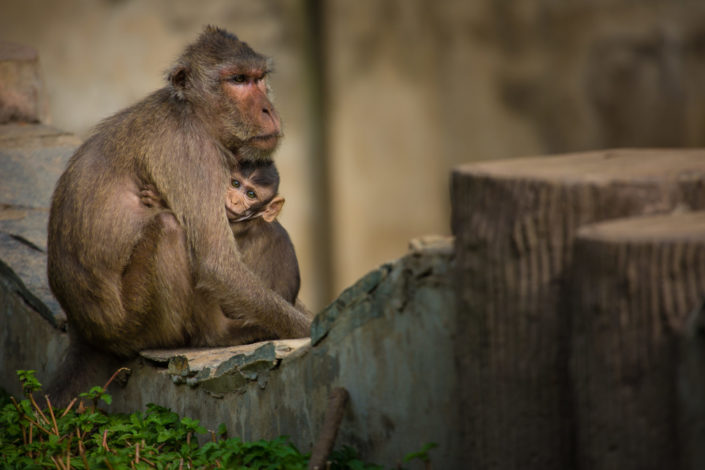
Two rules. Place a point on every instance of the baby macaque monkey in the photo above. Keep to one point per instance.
(252, 204)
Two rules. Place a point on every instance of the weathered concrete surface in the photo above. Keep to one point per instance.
(225, 370)
(21, 89)
(27, 340)
(32, 325)
(32, 157)
(387, 340)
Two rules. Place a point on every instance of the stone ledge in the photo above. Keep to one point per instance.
(32, 157)
(361, 296)
(22, 135)
(23, 261)
(225, 370)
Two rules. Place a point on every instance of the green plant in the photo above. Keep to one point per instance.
(80, 437)
(422, 455)
(4, 398)
(347, 458)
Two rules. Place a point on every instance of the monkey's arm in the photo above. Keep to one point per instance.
(195, 195)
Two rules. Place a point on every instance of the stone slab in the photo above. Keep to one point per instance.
(22, 135)
(225, 370)
(27, 225)
(27, 340)
(23, 266)
(31, 160)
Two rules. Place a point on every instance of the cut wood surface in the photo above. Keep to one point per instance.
(515, 222)
(633, 285)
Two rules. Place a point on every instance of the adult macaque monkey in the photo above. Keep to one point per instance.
(131, 277)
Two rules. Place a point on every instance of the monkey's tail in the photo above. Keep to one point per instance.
(82, 367)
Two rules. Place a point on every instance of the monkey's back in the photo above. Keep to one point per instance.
(97, 198)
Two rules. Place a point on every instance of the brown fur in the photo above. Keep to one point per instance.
(267, 249)
(265, 246)
(132, 277)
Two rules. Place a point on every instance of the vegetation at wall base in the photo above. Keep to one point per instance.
(34, 436)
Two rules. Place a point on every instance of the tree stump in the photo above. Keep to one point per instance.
(632, 286)
(515, 222)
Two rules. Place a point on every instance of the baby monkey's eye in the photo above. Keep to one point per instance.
(251, 194)
(235, 183)
(239, 78)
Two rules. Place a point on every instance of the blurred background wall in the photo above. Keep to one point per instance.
(380, 98)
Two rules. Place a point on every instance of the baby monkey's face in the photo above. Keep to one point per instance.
(246, 200)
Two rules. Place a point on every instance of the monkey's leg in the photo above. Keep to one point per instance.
(213, 328)
(157, 288)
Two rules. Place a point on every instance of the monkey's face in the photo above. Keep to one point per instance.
(245, 199)
(226, 83)
(255, 123)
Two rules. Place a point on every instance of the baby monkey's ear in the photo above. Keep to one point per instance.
(273, 209)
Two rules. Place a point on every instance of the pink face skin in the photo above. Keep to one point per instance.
(249, 89)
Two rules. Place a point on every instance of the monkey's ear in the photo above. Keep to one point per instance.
(273, 209)
(178, 77)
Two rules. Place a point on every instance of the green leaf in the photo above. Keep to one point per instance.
(421, 454)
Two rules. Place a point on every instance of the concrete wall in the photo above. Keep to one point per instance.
(388, 336)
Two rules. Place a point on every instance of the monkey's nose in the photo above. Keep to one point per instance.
(271, 115)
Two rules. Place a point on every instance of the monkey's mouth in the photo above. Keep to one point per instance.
(266, 141)
(238, 217)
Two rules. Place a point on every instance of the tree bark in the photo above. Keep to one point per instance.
(633, 284)
(515, 222)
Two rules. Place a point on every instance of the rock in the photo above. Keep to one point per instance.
(223, 370)
(23, 266)
(32, 157)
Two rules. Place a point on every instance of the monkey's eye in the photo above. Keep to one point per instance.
(235, 183)
(239, 78)
(251, 194)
